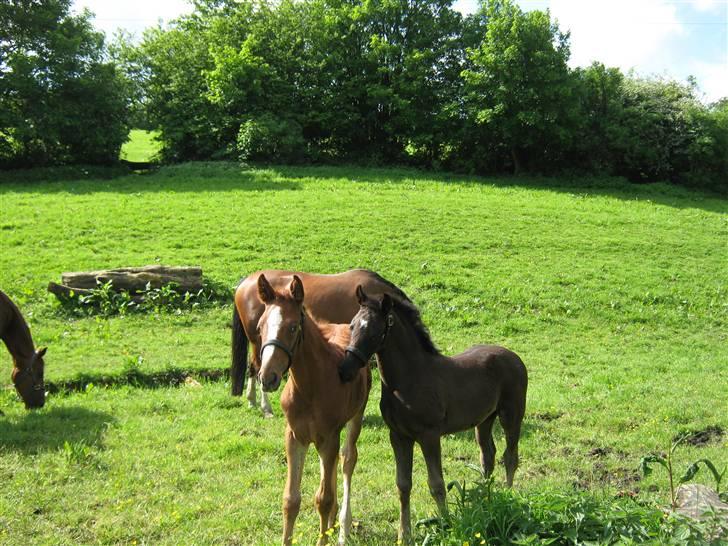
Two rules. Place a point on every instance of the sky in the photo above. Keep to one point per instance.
(673, 38)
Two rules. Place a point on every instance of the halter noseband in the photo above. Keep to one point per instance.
(29, 372)
(360, 355)
(275, 342)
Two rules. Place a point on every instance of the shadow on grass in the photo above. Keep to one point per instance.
(584, 186)
(51, 428)
(193, 177)
(213, 176)
(170, 377)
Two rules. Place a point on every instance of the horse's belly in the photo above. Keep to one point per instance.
(407, 419)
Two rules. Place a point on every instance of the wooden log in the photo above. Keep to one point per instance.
(61, 291)
(135, 279)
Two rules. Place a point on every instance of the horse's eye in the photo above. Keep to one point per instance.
(293, 328)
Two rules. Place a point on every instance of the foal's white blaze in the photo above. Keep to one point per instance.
(275, 319)
(363, 323)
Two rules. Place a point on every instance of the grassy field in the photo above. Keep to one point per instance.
(614, 295)
(141, 146)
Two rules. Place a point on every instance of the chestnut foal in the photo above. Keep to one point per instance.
(317, 405)
(426, 394)
(27, 362)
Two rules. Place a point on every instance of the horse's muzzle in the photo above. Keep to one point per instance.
(349, 367)
(272, 382)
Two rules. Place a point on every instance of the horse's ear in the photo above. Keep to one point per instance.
(297, 289)
(386, 303)
(361, 297)
(40, 353)
(265, 290)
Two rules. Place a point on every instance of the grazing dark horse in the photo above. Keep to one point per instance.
(317, 405)
(27, 362)
(426, 394)
(328, 299)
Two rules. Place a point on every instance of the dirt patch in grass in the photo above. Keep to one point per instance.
(700, 438)
(603, 451)
(547, 415)
(624, 479)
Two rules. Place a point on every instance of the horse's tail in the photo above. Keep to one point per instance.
(239, 362)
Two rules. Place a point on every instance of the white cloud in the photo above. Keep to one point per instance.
(712, 79)
(706, 5)
(623, 33)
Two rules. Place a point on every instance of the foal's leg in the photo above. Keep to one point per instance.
(402, 447)
(326, 494)
(484, 436)
(511, 422)
(295, 455)
(265, 403)
(349, 456)
(252, 383)
(253, 368)
(433, 458)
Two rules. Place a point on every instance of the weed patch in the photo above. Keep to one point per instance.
(106, 301)
(484, 514)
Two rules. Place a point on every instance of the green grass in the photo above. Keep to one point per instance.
(141, 147)
(614, 295)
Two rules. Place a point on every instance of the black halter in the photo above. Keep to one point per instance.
(359, 354)
(275, 342)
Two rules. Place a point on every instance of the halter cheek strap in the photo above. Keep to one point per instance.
(359, 354)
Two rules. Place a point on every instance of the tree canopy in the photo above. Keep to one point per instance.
(59, 100)
(375, 81)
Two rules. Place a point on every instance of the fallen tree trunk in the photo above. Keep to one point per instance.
(135, 279)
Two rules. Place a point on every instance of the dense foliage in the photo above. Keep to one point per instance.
(393, 81)
(375, 81)
(485, 515)
(60, 100)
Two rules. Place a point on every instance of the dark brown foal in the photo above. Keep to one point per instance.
(426, 394)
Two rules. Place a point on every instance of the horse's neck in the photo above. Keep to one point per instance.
(314, 360)
(16, 334)
(402, 357)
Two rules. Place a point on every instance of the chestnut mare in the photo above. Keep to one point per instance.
(329, 298)
(317, 405)
(426, 394)
(27, 362)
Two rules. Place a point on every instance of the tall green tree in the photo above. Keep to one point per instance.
(518, 87)
(60, 100)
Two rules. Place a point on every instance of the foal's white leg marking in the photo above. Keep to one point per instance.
(348, 459)
(250, 395)
(265, 403)
(345, 512)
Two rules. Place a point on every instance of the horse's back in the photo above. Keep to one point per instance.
(328, 297)
(8, 311)
(499, 364)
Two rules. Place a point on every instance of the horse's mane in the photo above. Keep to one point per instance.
(397, 291)
(407, 311)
